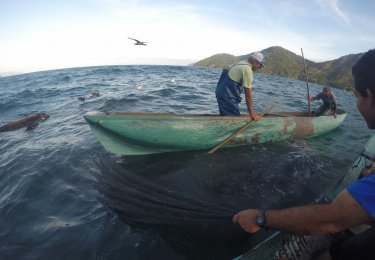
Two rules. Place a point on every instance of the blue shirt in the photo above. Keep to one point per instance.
(363, 191)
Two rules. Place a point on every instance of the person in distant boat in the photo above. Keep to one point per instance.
(329, 102)
(353, 206)
(232, 82)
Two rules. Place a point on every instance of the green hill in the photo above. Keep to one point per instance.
(284, 63)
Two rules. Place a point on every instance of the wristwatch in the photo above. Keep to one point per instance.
(261, 219)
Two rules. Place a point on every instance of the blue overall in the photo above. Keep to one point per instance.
(228, 95)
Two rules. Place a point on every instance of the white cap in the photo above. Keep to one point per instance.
(259, 57)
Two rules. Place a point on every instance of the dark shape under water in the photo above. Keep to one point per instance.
(31, 121)
(143, 202)
(190, 198)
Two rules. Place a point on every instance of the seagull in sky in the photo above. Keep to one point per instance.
(137, 42)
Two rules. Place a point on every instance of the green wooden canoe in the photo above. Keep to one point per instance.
(127, 133)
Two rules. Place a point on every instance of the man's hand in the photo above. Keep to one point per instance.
(247, 220)
(255, 116)
(366, 171)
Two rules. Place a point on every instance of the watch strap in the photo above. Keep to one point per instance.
(261, 219)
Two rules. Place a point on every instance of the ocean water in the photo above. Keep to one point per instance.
(51, 177)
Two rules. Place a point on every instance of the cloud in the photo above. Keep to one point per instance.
(333, 6)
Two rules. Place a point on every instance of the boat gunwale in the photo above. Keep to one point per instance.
(213, 116)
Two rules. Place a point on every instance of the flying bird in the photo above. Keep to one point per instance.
(137, 42)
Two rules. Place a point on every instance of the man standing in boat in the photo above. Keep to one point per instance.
(232, 82)
(353, 206)
(329, 102)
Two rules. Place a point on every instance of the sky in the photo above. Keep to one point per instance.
(38, 35)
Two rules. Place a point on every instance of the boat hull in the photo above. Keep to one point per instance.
(145, 133)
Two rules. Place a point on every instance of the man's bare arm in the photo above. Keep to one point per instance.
(342, 213)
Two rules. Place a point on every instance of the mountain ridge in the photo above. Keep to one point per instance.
(284, 63)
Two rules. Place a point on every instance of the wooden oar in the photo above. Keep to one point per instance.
(217, 147)
(276, 114)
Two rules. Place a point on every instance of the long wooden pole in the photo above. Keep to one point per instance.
(307, 84)
(217, 147)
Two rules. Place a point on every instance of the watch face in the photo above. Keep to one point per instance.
(260, 220)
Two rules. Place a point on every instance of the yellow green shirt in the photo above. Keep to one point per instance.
(242, 73)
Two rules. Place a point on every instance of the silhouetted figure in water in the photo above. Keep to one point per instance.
(95, 94)
(137, 42)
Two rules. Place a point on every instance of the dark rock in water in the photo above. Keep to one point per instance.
(82, 98)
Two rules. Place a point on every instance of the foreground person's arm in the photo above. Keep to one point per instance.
(342, 213)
